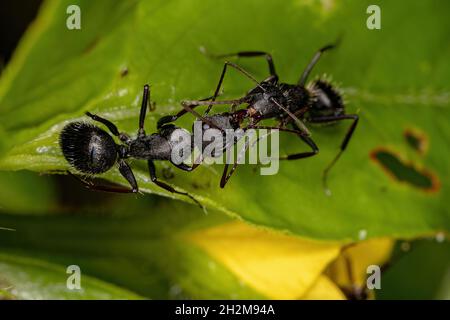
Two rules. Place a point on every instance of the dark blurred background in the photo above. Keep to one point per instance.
(15, 16)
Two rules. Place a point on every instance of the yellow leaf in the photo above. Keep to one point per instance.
(277, 265)
(349, 270)
(324, 289)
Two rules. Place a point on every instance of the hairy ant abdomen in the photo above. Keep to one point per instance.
(327, 100)
(88, 148)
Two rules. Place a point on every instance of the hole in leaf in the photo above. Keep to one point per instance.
(416, 140)
(404, 172)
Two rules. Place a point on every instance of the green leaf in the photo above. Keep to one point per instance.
(147, 250)
(26, 192)
(25, 278)
(393, 83)
(428, 258)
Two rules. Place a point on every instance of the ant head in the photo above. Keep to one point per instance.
(88, 148)
(326, 95)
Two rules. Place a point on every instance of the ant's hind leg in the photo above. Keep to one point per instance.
(344, 143)
(126, 172)
(302, 155)
(313, 62)
(154, 178)
(111, 126)
(253, 54)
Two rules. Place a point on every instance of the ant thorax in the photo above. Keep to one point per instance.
(297, 97)
(153, 146)
(159, 146)
(261, 100)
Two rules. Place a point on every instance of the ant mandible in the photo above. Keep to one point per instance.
(319, 102)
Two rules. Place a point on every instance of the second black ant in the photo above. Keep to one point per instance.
(319, 102)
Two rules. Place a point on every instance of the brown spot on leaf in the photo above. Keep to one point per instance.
(417, 140)
(124, 72)
(405, 172)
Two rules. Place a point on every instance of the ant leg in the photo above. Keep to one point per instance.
(185, 167)
(222, 76)
(126, 172)
(313, 62)
(111, 126)
(303, 135)
(190, 105)
(171, 118)
(252, 54)
(296, 131)
(225, 175)
(154, 178)
(196, 103)
(302, 155)
(145, 103)
(296, 120)
(344, 143)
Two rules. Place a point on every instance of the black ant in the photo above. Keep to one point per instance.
(317, 103)
(91, 150)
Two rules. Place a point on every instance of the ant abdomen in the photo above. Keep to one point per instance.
(327, 100)
(88, 148)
